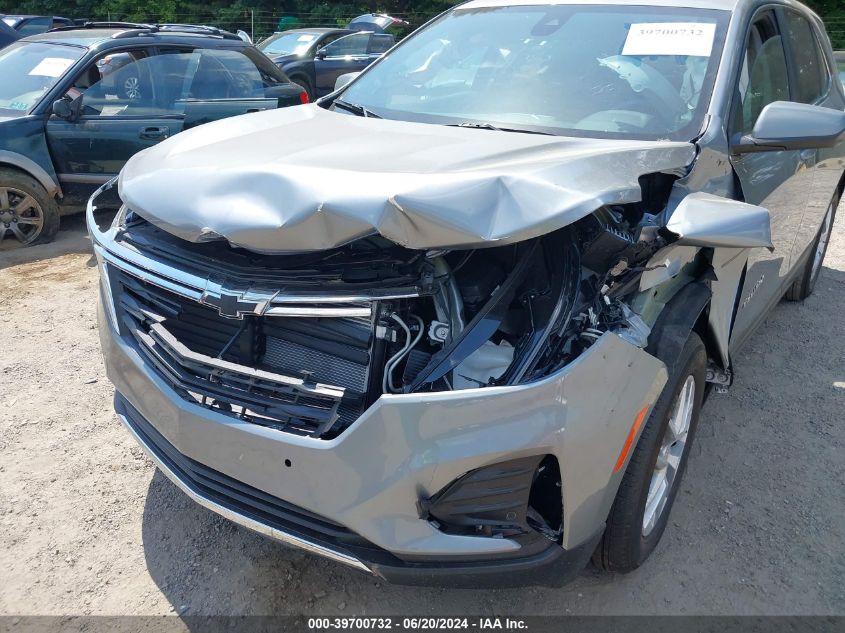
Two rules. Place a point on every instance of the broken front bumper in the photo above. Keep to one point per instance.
(354, 498)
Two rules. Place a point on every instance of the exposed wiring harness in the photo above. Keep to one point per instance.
(387, 383)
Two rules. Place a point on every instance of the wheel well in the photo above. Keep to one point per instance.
(52, 191)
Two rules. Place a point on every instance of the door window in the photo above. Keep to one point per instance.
(124, 83)
(381, 43)
(354, 45)
(763, 77)
(34, 26)
(229, 74)
(810, 72)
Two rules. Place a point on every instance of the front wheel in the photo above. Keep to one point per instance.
(28, 214)
(803, 287)
(650, 484)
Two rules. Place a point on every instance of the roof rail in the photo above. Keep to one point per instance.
(105, 25)
(135, 27)
(197, 28)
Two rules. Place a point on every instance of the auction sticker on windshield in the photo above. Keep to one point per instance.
(670, 38)
(51, 67)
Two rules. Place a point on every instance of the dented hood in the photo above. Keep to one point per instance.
(304, 179)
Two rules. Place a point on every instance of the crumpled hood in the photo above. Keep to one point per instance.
(305, 179)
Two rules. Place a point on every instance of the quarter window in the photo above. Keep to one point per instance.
(810, 73)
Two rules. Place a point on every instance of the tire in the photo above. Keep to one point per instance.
(18, 188)
(627, 542)
(804, 285)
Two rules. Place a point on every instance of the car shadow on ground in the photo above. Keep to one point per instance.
(206, 565)
(71, 238)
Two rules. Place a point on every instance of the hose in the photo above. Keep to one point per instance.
(387, 380)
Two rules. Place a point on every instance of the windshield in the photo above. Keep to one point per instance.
(288, 43)
(583, 70)
(29, 70)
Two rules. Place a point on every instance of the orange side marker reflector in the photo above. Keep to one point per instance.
(630, 439)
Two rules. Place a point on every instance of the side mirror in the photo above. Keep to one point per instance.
(344, 80)
(321, 54)
(784, 125)
(68, 109)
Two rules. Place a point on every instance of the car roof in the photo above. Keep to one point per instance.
(312, 29)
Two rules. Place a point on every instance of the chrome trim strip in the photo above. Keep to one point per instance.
(240, 519)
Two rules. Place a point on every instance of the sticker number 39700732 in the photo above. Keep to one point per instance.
(670, 38)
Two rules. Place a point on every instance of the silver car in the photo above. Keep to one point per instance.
(456, 321)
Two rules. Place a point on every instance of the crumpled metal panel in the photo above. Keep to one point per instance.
(305, 179)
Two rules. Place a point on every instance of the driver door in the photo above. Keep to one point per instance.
(779, 181)
(347, 54)
(124, 109)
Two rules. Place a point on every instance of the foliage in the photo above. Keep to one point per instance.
(264, 15)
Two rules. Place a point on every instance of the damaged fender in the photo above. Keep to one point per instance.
(731, 228)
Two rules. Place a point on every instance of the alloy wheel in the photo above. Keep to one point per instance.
(20, 215)
(669, 456)
(132, 88)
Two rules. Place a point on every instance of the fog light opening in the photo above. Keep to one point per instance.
(545, 501)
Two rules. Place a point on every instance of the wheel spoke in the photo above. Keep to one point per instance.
(25, 203)
(669, 456)
(30, 221)
(18, 233)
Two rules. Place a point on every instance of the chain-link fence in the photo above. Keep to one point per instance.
(259, 24)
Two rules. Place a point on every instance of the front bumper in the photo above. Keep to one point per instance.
(365, 483)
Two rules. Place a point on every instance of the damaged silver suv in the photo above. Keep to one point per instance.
(456, 321)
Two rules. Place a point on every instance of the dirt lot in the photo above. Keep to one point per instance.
(89, 527)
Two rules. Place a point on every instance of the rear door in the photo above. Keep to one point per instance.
(128, 105)
(347, 54)
(813, 83)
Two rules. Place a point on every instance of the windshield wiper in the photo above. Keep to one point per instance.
(490, 126)
(354, 108)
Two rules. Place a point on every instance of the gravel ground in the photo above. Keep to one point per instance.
(89, 526)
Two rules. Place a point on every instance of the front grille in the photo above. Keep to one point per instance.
(307, 376)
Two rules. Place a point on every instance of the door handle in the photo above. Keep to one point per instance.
(154, 133)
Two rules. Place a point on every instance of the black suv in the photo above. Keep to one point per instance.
(80, 101)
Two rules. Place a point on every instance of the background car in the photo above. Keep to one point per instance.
(840, 62)
(315, 57)
(7, 34)
(34, 24)
(78, 102)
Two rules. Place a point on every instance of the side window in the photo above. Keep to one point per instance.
(810, 71)
(763, 78)
(34, 26)
(124, 83)
(353, 45)
(231, 74)
(381, 43)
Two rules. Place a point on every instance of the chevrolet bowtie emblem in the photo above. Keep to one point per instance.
(234, 306)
